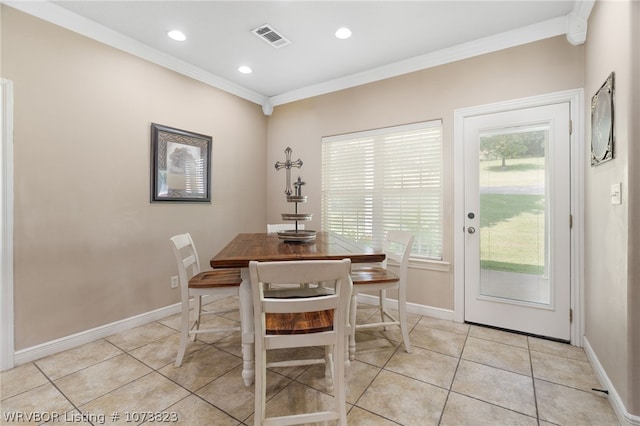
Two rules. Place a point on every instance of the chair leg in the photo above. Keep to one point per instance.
(260, 387)
(197, 310)
(383, 308)
(339, 383)
(352, 321)
(185, 324)
(404, 327)
(328, 368)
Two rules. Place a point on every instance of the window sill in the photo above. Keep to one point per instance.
(426, 264)
(430, 265)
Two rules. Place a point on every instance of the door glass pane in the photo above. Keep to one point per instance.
(513, 215)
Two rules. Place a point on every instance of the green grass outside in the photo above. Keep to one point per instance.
(512, 267)
(517, 171)
(512, 225)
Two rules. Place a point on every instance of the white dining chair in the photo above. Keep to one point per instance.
(193, 285)
(298, 322)
(397, 247)
(277, 227)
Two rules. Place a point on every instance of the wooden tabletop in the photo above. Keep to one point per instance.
(268, 247)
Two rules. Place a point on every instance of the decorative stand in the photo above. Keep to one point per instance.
(294, 235)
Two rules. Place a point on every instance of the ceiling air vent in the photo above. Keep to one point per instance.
(268, 34)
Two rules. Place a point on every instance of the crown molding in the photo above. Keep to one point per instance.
(577, 22)
(531, 33)
(576, 29)
(573, 25)
(57, 15)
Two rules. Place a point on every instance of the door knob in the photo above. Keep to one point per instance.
(471, 230)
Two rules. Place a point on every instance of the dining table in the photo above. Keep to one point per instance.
(268, 247)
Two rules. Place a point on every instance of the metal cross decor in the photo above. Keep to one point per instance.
(298, 185)
(287, 164)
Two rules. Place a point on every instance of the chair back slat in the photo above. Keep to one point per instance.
(311, 304)
(188, 261)
(184, 249)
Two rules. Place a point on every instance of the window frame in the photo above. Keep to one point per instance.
(436, 175)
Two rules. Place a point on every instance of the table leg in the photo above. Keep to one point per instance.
(246, 325)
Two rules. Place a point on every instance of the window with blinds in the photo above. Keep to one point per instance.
(385, 179)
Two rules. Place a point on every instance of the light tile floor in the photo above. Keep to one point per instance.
(457, 375)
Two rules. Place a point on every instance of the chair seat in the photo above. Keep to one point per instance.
(373, 275)
(216, 278)
(299, 323)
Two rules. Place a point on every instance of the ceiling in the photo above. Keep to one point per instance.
(389, 37)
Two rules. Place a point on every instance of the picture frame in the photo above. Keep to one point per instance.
(180, 165)
(602, 123)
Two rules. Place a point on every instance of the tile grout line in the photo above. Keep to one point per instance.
(533, 382)
(455, 372)
(190, 392)
(488, 365)
(75, 407)
(380, 369)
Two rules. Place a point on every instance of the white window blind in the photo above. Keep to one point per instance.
(385, 179)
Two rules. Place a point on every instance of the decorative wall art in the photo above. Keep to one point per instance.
(180, 165)
(602, 123)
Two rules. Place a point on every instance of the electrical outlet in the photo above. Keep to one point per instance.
(174, 281)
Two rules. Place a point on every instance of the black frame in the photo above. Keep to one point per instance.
(602, 122)
(164, 139)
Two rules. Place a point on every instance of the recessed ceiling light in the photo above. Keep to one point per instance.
(245, 69)
(177, 35)
(343, 33)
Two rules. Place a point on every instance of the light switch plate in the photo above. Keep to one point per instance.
(616, 194)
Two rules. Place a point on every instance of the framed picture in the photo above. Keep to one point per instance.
(180, 165)
(602, 124)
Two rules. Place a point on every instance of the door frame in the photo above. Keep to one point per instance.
(575, 98)
(7, 354)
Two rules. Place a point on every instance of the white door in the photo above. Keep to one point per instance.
(517, 220)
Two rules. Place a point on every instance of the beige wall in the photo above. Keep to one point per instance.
(533, 69)
(612, 325)
(90, 248)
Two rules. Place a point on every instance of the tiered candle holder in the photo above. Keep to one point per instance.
(294, 235)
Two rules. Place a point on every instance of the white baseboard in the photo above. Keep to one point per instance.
(625, 418)
(69, 342)
(429, 311)
(49, 348)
